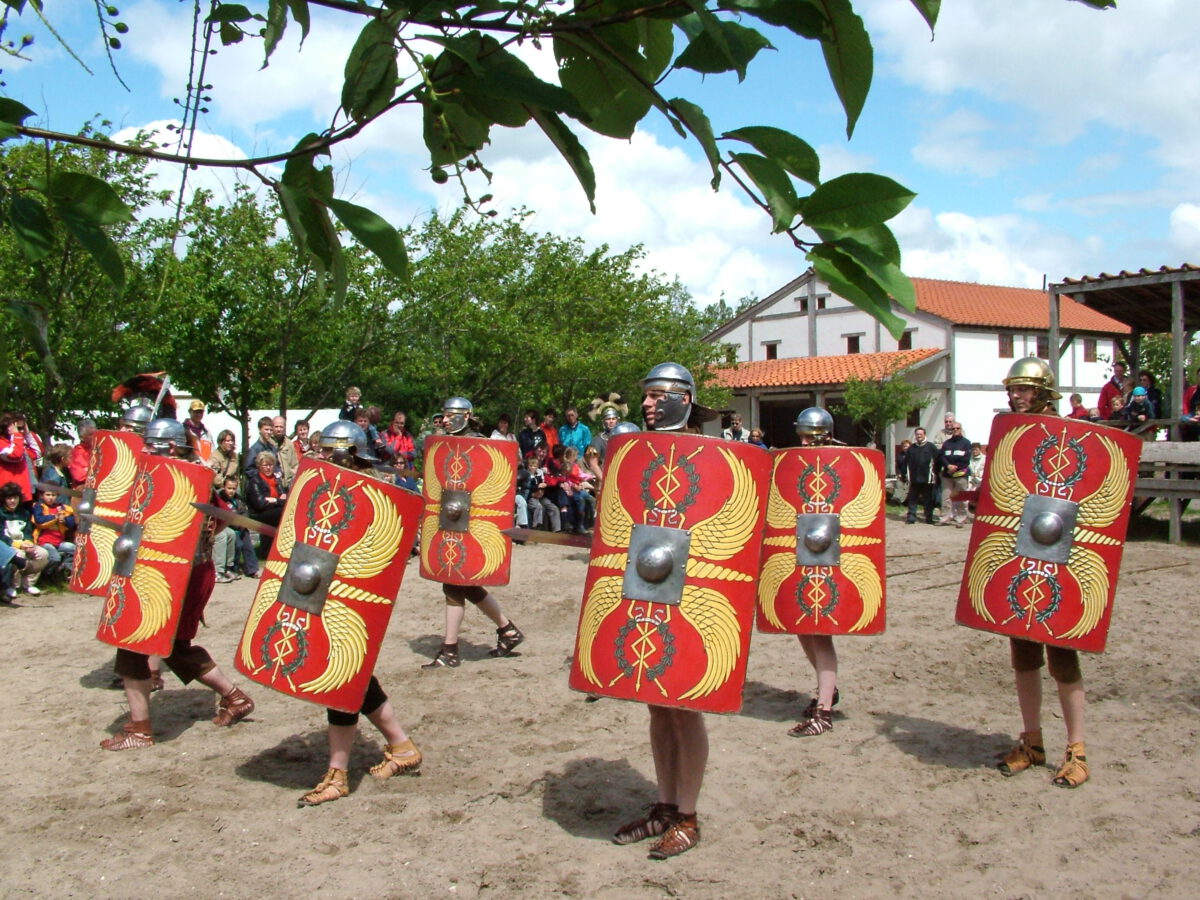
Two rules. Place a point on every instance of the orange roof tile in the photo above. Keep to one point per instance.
(966, 303)
(814, 370)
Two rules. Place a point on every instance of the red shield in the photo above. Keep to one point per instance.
(110, 475)
(669, 597)
(153, 555)
(1049, 530)
(329, 585)
(823, 569)
(469, 488)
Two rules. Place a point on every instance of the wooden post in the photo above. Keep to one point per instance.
(1053, 342)
(1177, 351)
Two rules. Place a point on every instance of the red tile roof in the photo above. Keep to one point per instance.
(816, 370)
(966, 303)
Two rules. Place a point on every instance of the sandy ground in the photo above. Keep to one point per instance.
(523, 781)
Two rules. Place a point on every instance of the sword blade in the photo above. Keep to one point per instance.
(393, 471)
(58, 489)
(565, 538)
(236, 519)
(100, 520)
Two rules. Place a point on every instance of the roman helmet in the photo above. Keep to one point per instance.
(347, 441)
(162, 436)
(815, 423)
(137, 417)
(674, 411)
(458, 413)
(1036, 373)
(625, 428)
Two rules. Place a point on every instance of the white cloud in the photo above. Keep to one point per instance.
(1185, 233)
(963, 141)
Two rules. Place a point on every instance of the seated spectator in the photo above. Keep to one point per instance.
(80, 456)
(14, 461)
(756, 438)
(579, 488)
(503, 429)
(233, 546)
(16, 530)
(362, 418)
(531, 436)
(54, 528)
(542, 512)
(1078, 410)
(266, 495)
(55, 470)
(224, 460)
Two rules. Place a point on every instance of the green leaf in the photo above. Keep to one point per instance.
(782, 148)
(452, 132)
(371, 72)
(299, 10)
(373, 232)
(878, 238)
(615, 101)
(697, 123)
(31, 227)
(854, 201)
(929, 10)
(88, 197)
(1100, 4)
(12, 114)
(229, 12)
(849, 59)
(847, 278)
(885, 273)
(93, 239)
(230, 34)
(571, 150)
(272, 32)
(722, 47)
(801, 17)
(775, 186)
(530, 90)
(35, 325)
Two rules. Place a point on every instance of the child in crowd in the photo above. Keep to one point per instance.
(16, 530)
(579, 489)
(541, 510)
(54, 529)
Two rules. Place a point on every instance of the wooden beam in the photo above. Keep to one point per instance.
(1177, 351)
(1053, 342)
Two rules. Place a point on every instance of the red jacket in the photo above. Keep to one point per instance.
(13, 465)
(1110, 390)
(78, 461)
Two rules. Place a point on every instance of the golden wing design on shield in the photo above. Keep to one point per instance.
(154, 597)
(1102, 507)
(491, 541)
(433, 487)
(102, 548)
(117, 482)
(602, 599)
(993, 551)
(775, 570)
(268, 593)
(780, 513)
(285, 539)
(713, 617)
(1008, 493)
(376, 549)
(1089, 571)
(347, 633)
(616, 525)
(176, 514)
(429, 530)
(865, 578)
(722, 535)
(861, 511)
(500, 479)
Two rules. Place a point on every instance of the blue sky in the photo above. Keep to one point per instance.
(1043, 138)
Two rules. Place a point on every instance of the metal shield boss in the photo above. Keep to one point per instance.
(329, 585)
(469, 489)
(110, 476)
(153, 555)
(1049, 531)
(823, 566)
(668, 601)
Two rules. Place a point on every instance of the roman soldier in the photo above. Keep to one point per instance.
(669, 597)
(1045, 549)
(469, 490)
(162, 579)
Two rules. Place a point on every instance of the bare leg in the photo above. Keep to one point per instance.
(1029, 698)
(1074, 701)
(662, 748)
(454, 617)
(389, 726)
(679, 742)
(137, 693)
(820, 652)
(341, 739)
(491, 608)
(215, 679)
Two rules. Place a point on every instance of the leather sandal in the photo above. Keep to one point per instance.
(819, 722)
(812, 705)
(447, 657)
(659, 817)
(679, 838)
(133, 736)
(398, 759)
(508, 639)
(1028, 752)
(1074, 769)
(233, 707)
(332, 787)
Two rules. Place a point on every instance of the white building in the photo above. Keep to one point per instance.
(797, 347)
